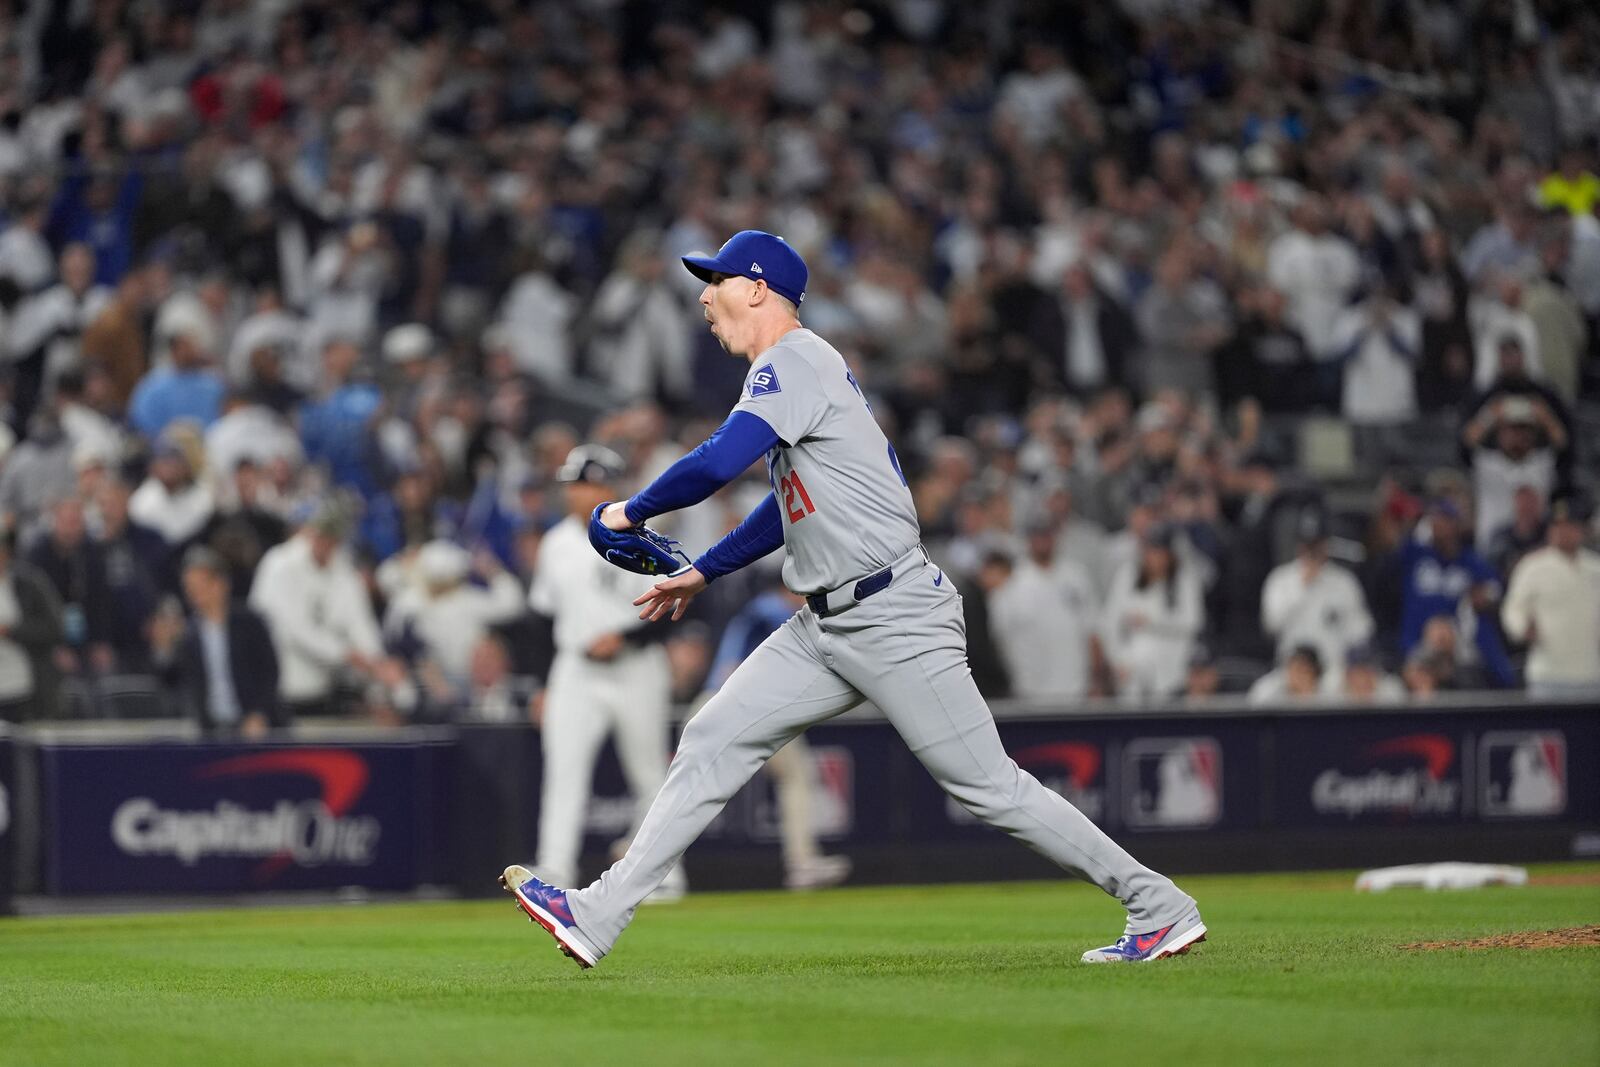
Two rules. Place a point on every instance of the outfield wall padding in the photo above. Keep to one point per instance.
(111, 812)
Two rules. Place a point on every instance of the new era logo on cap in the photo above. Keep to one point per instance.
(755, 268)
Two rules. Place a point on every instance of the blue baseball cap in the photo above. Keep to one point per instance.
(759, 256)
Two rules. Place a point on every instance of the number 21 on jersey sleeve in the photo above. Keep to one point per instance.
(792, 486)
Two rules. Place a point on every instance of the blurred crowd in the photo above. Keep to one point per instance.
(1227, 346)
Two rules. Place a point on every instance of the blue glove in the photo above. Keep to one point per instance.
(638, 549)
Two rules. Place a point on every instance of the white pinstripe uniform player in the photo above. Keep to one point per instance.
(604, 679)
(882, 623)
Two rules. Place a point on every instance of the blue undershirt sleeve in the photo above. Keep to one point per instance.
(760, 533)
(722, 457)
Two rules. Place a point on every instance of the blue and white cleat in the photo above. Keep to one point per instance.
(547, 906)
(1172, 940)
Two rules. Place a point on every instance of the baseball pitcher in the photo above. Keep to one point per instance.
(882, 622)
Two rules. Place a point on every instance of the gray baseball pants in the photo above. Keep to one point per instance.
(905, 650)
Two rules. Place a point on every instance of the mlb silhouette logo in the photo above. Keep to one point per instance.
(1523, 774)
(1172, 783)
(764, 380)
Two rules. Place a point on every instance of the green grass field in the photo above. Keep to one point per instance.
(1298, 968)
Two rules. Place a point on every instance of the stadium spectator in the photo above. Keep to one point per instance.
(72, 564)
(26, 260)
(983, 653)
(1435, 664)
(1512, 443)
(1183, 318)
(1268, 359)
(1445, 368)
(1298, 678)
(493, 693)
(1558, 322)
(1364, 680)
(30, 632)
(1446, 581)
(1253, 505)
(221, 660)
(1504, 248)
(316, 606)
(440, 616)
(45, 335)
(243, 527)
(537, 315)
(347, 277)
(1511, 379)
(115, 343)
(1205, 680)
(1572, 186)
(36, 471)
(1378, 341)
(1317, 271)
(1553, 606)
(1043, 621)
(1151, 619)
(1310, 602)
(173, 500)
(1399, 210)
(336, 428)
(1085, 337)
(186, 388)
(95, 210)
(248, 431)
(137, 570)
(1079, 540)
(1525, 532)
(1497, 316)
(640, 348)
(267, 355)
(93, 435)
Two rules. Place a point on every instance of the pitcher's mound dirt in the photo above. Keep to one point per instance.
(1567, 878)
(1571, 937)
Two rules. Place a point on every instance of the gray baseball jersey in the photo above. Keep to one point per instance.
(847, 511)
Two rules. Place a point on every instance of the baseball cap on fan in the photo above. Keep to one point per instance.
(759, 256)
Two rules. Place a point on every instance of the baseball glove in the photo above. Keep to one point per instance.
(639, 549)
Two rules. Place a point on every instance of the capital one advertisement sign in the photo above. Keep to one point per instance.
(1401, 770)
(1407, 776)
(216, 818)
(1411, 770)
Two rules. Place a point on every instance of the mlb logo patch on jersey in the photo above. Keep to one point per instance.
(764, 380)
